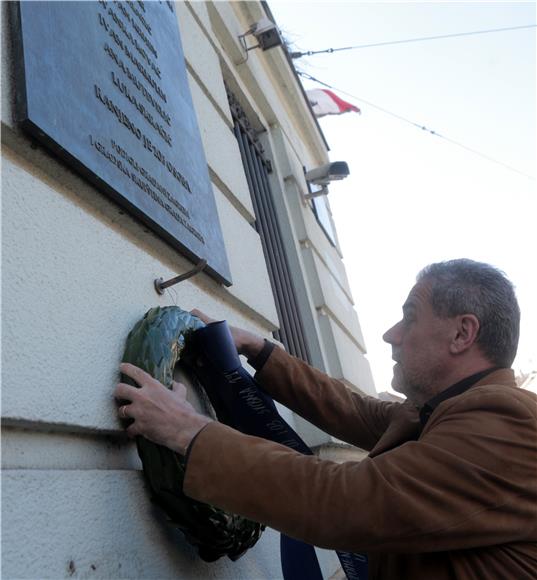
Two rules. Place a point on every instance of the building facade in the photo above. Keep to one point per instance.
(78, 272)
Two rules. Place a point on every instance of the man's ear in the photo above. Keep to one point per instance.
(466, 331)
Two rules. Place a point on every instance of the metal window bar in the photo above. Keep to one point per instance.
(291, 332)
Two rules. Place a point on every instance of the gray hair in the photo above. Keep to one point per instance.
(467, 287)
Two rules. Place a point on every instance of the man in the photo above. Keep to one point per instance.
(449, 489)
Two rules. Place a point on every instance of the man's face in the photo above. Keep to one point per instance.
(420, 347)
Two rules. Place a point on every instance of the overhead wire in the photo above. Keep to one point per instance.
(418, 125)
(405, 41)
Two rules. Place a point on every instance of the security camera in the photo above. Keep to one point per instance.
(266, 34)
(324, 174)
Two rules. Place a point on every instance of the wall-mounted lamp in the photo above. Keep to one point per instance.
(265, 32)
(323, 175)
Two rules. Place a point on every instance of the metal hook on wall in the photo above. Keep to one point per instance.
(161, 285)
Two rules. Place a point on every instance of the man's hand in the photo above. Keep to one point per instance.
(247, 343)
(160, 415)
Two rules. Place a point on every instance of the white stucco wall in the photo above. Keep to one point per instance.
(77, 273)
(97, 523)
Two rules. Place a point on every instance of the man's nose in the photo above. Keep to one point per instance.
(392, 335)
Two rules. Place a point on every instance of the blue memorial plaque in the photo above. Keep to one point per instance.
(104, 86)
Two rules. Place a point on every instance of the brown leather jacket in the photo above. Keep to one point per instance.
(457, 499)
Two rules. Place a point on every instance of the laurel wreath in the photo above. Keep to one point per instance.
(156, 344)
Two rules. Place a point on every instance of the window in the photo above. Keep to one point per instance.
(256, 167)
(323, 215)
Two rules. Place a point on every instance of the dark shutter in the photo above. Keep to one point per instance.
(256, 167)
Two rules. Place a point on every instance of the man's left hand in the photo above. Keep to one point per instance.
(160, 415)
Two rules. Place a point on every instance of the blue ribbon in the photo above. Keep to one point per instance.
(242, 404)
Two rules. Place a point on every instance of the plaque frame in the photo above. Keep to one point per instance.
(139, 143)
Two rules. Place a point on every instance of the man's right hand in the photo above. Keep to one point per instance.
(247, 343)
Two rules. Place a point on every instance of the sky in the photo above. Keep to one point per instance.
(413, 198)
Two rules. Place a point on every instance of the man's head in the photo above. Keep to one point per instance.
(461, 317)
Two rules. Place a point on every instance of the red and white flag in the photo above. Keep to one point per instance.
(325, 102)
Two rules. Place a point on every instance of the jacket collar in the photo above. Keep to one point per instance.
(406, 426)
(457, 389)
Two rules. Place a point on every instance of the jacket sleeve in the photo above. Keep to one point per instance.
(327, 403)
(470, 481)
